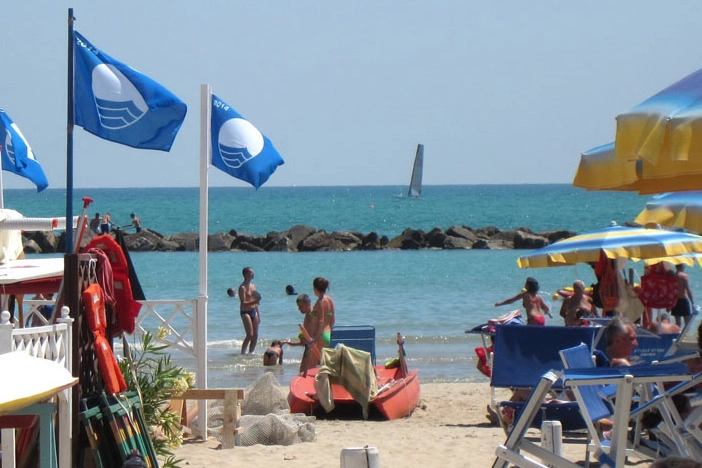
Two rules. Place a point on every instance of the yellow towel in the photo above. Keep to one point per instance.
(350, 368)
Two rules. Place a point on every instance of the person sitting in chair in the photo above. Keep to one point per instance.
(620, 336)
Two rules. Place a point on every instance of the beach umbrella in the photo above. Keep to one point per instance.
(601, 169)
(676, 209)
(689, 259)
(614, 242)
(665, 128)
(657, 148)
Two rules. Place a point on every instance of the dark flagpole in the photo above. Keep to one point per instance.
(69, 136)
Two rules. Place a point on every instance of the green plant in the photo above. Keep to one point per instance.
(158, 381)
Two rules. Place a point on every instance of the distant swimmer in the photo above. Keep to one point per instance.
(231, 292)
(290, 291)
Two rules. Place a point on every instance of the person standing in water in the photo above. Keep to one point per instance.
(308, 360)
(249, 300)
(323, 313)
(532, 302)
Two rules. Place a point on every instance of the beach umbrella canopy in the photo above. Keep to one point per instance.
(666, 127)
(676, 209)
(614, 242)
(601, 169)
(690, 259)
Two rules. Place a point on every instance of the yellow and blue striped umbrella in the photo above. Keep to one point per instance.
(677, 209)
(665, 128)
(601, 169)
(616, 242)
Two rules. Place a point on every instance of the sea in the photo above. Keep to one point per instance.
(432, 297)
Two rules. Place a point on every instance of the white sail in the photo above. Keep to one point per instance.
(415, 188)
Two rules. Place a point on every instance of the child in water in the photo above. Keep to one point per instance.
(274, 354)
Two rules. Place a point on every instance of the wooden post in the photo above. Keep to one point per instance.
(232, 410)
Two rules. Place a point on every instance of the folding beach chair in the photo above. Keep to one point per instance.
(522, 354)
(595, 397)
(675, 434)
(623, 377)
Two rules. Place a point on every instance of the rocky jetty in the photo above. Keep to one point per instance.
(303, 238)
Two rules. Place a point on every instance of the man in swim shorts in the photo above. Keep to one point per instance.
(683, 307)
(248, 309)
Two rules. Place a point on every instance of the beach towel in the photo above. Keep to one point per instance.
(352, 369)
(659, 287)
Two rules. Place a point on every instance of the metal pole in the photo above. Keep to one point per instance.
(201, 316)
(69, 135)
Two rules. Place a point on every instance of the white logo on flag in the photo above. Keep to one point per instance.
(118, 102)
(239, 141)
(9, 148)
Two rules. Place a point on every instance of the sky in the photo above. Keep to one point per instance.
(507, 92)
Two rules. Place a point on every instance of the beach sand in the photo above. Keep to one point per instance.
(449, 428)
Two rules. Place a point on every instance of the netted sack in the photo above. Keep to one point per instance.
(265, 396)
(215, 418)
(277, 429)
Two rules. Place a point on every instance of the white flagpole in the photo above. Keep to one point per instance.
(2, 189)
(201, 316)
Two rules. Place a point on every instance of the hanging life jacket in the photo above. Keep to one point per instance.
(94, 304)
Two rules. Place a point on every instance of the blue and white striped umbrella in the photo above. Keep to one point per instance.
(616, 242)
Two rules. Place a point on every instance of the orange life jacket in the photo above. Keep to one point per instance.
(94, 304)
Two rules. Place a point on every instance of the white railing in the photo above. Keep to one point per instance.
(52, 342)
(176, 317)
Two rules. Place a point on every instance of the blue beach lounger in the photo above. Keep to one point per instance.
(522, 355)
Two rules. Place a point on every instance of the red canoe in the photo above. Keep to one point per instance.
(397, 396)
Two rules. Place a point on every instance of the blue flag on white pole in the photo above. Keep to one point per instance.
(120, 104)
(239, 148)
(17, 155)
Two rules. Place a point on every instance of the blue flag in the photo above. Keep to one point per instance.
(239, 148)
(117, 103)
(17, 156)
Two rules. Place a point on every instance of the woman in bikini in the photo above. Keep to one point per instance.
(248, 309)
(274, 354)
(323, 312)
(533, 303)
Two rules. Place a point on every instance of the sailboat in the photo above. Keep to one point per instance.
(415, 187)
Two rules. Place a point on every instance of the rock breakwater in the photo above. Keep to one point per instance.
(301, 238)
